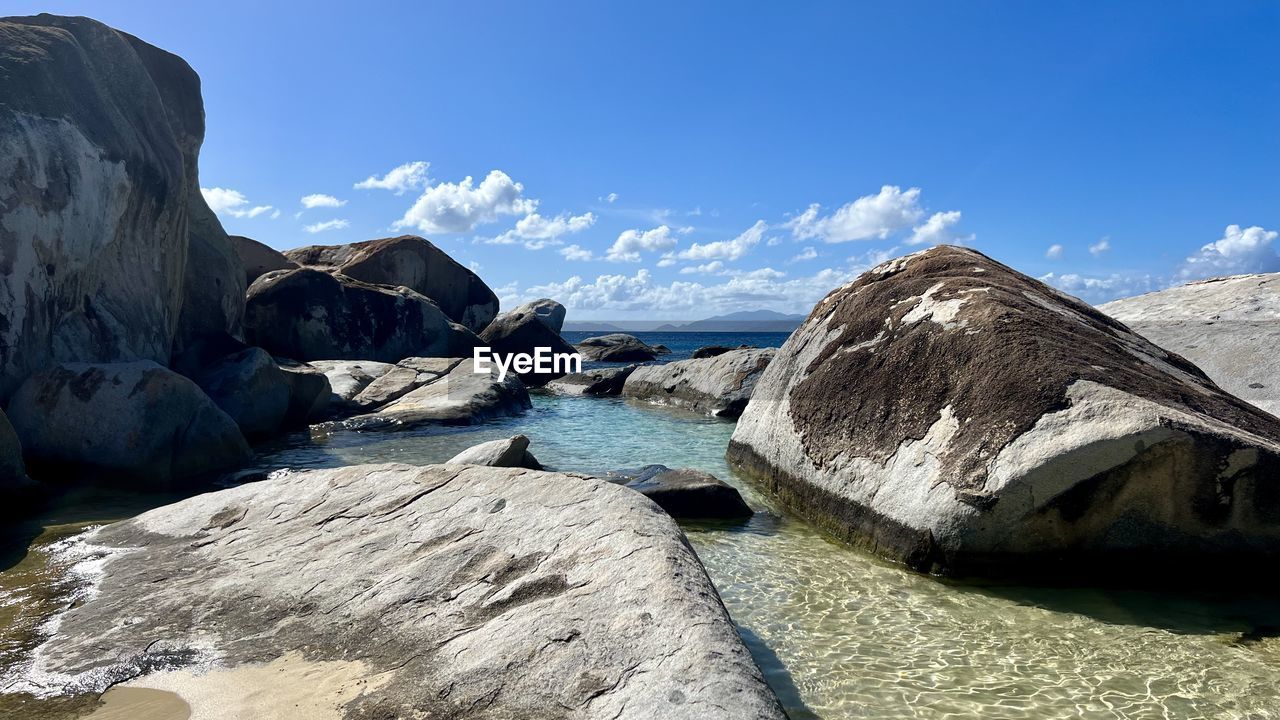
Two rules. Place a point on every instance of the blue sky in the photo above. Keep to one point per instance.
(677, 160)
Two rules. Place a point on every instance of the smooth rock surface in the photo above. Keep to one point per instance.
(550, 312)
(958, 416)
(521, 331)
(99, 134)
(719, 385)
(440, 591)
(310, 315)
(309, 393)
(414, 263)
(506, 452)
(251, 389)
(685, 493)
(348, 377)
(258, 259)
(136, 423)
(1229, 327)
(616, 347)
(600, 382)
(408, 375)
(459, 398)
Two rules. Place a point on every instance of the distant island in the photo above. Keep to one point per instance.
(742, 321)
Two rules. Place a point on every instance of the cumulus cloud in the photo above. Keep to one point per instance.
(1100, 247)
(401, 179)
(326, 225)
(808, 253)
(631, 243)
(710, 268)
(231, 203)
(727, 249)
(1239, 251)
(870, 216)
(667, 260)
(537, 231)
(460, 207)
(939, 229)
(1100, 289)
(1054, 252)
(573, 252)
(321, 200)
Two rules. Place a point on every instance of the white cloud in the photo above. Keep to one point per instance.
(459, 207)
(1100, 247)
(631, 243)
(321, 200)
(1097, 290)
(275, 215)
(232, 203)
(474, 266)
(870, 216)
(727, 249)
(326, 225)
(808, 253)
(667, 260)
(1238, 252)
(710, 268)
(573, 252)
(409, 176)
(611, 198)
(938, 230)
(1054, 252)
(537, 231)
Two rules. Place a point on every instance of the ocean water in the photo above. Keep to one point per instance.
(841, 634)
(682, 345)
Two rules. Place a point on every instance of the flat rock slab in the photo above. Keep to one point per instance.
(720, 385)
(398, 591)
(458, 398)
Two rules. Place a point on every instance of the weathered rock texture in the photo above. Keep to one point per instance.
(347, 378)
(719, 385)
(521, 331)
(685, 493)
(136, 423)
(309, 315)
(506, 452)
(460, 397)
(450, 592)
(107, 248)
(616, 347)
(600, 382)
(408, 375)
(550, 312)
(1229, 327)
(258, 259)
(415, 263)
(951, 413)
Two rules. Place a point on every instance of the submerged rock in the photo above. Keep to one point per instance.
(258, 259)
(311, 315)
(507, 452)
(685, 493)
(953, 414)
(460, 397)
(412, 262)
(99, 137)
(1229, 327)
(550, 312)
(249, 387)
(522, 332)
(616, 347)
(133, 422)
(601, 382)
(719, 385)
(439, 591)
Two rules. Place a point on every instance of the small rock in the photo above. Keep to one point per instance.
(616, 347)
(509, 452)
(685, 493)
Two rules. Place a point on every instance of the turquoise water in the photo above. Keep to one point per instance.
(843, 635)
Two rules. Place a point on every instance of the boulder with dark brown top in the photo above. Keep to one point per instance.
(307, 314)
(616, 347)
(956, 415)
(415, 263)
(258, 259)
(522, 332)
(1229, 327)
(720, 385)
(108, 252)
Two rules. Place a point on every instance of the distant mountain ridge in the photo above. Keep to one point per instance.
(741, 321)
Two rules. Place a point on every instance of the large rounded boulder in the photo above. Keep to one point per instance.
(250, 387)
(956, 415)
(258, 259)
(548, 311)
(137, 423)
(100, 204)
(523, 332)
(308, 314)
(616, 347)
(415, 263)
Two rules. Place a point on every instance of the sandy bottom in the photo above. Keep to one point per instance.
(286, 688)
